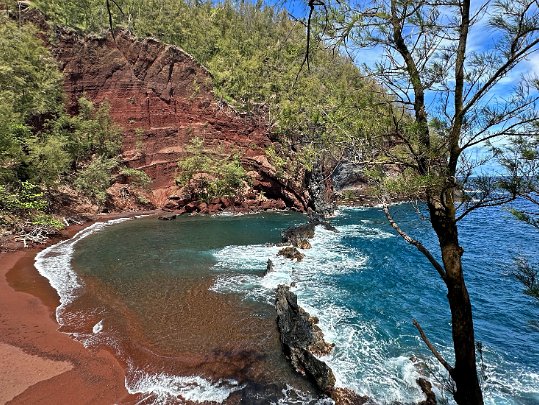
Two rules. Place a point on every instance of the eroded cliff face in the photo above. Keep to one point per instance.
(161, 98)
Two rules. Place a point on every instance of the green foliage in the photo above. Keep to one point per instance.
(276, 159)
(95, 178)
(255, 53)
(530, 218)
(25, 201)
(528, 276)
(41, 146)
(209, 176)
(24, 197)
(29, 77)
(410, 185)
(137, 177)
(520, 159)
(47, 160)
(48, 221)
(91, 132)
(29, 89)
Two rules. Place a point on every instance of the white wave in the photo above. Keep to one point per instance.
(360, 359)
(162, 388)
(326, 257)
(292, 396)
(98, 327)
(364, 232)
(54, 263)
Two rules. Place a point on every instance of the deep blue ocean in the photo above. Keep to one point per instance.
(179, 284)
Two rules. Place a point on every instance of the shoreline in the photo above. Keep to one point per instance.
(42, 364)
(31, 339)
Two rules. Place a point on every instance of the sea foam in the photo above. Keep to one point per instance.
(316, 289)
(54, 263)
(162, 388)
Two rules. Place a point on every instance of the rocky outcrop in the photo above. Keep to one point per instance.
(345, 396)
(291, 253)
(298, 235)
(269, 267)
(426, 388)
(162, 98)
(320, 187)
(302, 339)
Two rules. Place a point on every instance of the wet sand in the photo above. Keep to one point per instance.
(42, 365)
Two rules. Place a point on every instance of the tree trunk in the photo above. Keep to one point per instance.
(468, 390)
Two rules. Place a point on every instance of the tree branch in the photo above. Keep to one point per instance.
(413, 241)
(435, 352)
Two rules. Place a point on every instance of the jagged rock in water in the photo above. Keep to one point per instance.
(327, 226)
(298, 235)
(295, 235)
(301, 338)
(426, 387)
(304, 244)
(269, 267)
(167, 217)
(345, 396)
(292, 253)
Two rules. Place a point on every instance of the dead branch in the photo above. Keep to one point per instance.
(413, 241)
(432, 348)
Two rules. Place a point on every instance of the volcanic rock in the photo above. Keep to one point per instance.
(320, 187)
(295, 235)
(292, 253)
(167, 217)
(304, 244)
(298, 235)
(162, 98)
(301, 338)
(269, 267)
(426, 387)
(345, 396)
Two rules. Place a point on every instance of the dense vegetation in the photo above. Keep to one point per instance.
(207, 176)
(320, 109)
(255, 54)
(42, 148)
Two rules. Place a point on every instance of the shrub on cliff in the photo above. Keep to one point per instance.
(94, 179)
(206, 176)
(41, 147)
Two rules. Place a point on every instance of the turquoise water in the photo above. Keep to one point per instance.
(187, 307)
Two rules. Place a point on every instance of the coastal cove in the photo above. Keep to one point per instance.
(223, 202)
(186, 308)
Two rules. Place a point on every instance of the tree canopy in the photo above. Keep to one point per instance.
(255, 53)
(42, 148)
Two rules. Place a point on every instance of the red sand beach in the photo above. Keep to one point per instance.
(39, 364)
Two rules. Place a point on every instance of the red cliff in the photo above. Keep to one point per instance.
(161, 98)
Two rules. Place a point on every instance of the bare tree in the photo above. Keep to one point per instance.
(452, 97)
